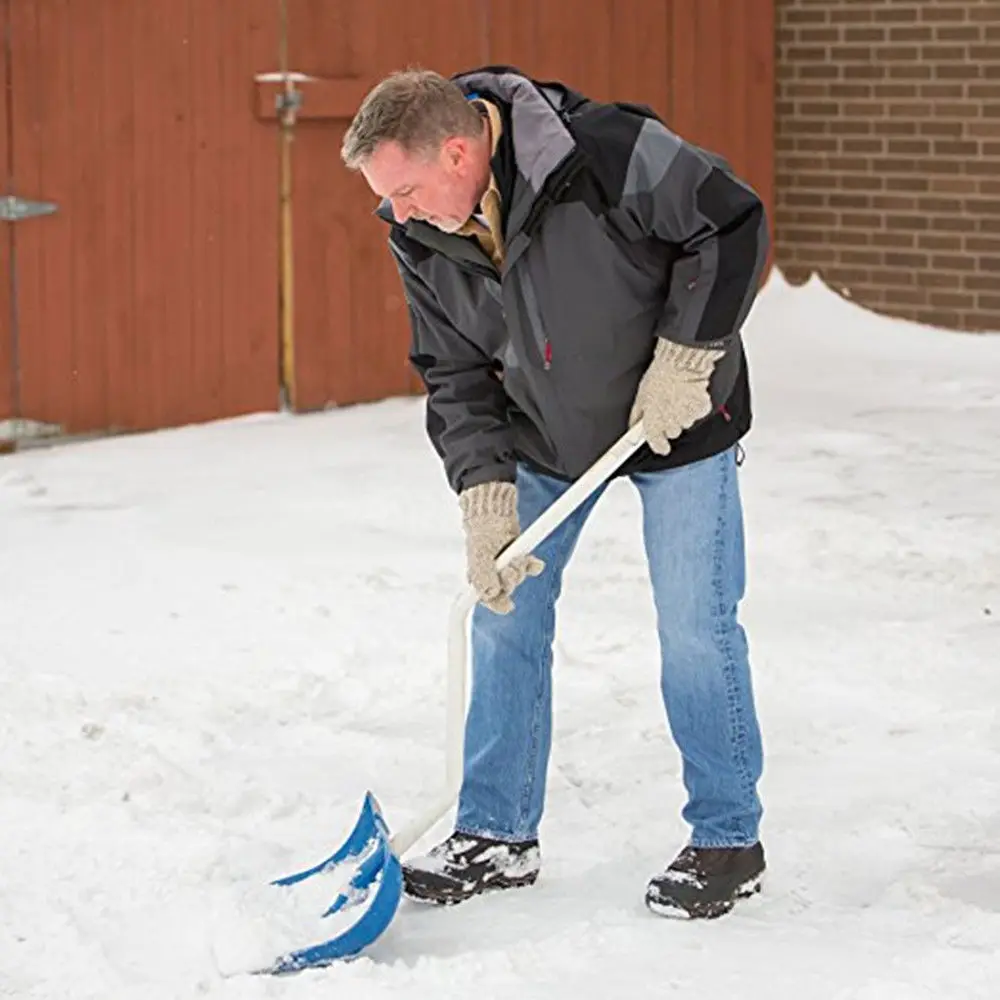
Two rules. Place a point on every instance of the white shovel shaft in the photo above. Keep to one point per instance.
(458, 639)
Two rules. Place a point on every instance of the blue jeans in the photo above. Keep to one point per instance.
(693, 536)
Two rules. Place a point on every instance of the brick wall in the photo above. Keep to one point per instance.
(888, 154)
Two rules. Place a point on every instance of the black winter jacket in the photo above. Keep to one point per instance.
(616, 231)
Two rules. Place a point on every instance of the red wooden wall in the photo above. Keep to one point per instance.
(151, 297)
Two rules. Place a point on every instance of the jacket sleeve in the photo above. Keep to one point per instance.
(466, 409)
(689, 198)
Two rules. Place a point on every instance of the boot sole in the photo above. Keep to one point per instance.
(705, 911)
(442, 896)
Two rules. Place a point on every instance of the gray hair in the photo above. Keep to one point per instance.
(417, 108)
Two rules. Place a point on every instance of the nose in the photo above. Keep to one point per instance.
(401, 209)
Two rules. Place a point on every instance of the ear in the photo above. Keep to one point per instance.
(455, 151)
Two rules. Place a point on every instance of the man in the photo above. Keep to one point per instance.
(571, 267)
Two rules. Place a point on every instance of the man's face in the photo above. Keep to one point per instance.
(439, 188)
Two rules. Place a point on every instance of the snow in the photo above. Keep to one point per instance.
(214, 640)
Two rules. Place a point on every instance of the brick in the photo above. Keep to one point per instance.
(952, 262)
(820, 109)
(938, 241)
(979, 282)
(983, 244)
(938, 166)
(911, 33)
(911, 222)
(909, 109)
(905, 296)
(983, 206)
(819, 71)
(894, 239)
(895, 53)
(852, 200)
(803, 89)
(953, 185)
(943, 53)
(852, 53)
(939, 91)
(804, 15)
(983, 91)
(956, 147)
(897, 126)
(948, 300)
(864, 71)
(950, 130)
(959, 32)
(910, 71)
(861, 220)
(984, 53)
(895, 91)
(956, 109)
(869, 258)
(940, 14)
(930, 203)
(850, 14)
(894, 278)
(848, 237)
(945, 319)
(849, 163)
(861, 182)
(990, 265)
(850, 126)
(956, 71)
(806, 53)
(895, 14)
(818, 35)
(985, 13)
(909, 147)
(862, 145)
(907, 184)
(866, 34)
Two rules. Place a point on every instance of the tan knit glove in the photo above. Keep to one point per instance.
(673, 393)
(489, 517)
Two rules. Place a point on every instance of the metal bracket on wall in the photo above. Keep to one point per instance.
(14, 209)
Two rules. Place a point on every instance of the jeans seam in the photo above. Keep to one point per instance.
(723, 637)
(550, 601)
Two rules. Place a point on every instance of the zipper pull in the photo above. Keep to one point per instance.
(548, 354)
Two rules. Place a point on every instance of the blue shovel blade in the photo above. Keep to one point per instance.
(375, 890)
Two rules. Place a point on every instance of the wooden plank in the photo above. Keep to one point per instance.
(247, 209)
(8, 392)
(643, 31)
(45, 158)
(127, 379)
(86, 46)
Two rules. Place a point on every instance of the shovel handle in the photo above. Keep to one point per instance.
(526, 542)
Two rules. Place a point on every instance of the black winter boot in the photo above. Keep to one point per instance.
(464, 866)
(706, 882)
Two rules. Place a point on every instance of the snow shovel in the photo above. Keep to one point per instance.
(376, 886)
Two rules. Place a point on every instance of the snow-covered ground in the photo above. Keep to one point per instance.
(214, 640)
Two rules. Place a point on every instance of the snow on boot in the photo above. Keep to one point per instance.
(464, 866)
(706, 881)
